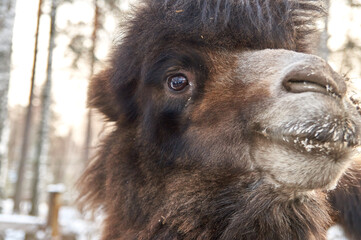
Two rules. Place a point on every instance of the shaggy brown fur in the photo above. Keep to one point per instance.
(244, 149)
(346, 200)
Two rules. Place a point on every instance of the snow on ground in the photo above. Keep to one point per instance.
(24, 222)
(71, 222)
(336, 233)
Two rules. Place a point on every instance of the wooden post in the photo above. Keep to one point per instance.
(55, 192)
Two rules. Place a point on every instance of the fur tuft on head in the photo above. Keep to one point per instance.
(241, 24)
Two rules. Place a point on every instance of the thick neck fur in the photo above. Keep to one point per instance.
(187, 203)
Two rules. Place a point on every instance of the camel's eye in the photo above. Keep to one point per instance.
(177, 82)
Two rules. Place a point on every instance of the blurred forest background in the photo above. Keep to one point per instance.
(49, 49)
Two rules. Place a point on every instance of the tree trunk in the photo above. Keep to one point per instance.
(323, 48)
(7, 16)
(42, 140)
(26, 135)
(88, 137)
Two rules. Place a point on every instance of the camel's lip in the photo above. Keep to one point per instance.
(310, 145)
(319, 138)
(315, 146)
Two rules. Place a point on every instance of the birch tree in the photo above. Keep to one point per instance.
(96, 24)
(323, 50)
(28, 118)
(110, 6)
(43, 138)
(7, 16)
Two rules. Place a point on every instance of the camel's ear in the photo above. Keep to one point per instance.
(101, 96)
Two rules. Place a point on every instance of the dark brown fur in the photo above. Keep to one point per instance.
(179, 166)
(346, 201)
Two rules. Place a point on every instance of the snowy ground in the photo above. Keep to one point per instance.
(71, 221)
(336, 233)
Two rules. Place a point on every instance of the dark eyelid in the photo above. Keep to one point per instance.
(175, 72)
